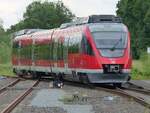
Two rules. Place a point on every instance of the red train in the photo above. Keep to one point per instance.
(95, 49)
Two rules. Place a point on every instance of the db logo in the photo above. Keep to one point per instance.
(112, 61)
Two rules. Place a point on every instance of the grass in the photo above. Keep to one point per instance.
(6, 70)
(5, 55)
(141, 68)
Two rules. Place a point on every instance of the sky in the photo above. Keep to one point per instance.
(11, 11)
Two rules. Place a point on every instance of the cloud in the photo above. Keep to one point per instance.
(12, 11)
(88, 7)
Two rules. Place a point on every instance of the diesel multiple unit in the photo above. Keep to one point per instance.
(95, 49)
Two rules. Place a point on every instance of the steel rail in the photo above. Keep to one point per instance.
(20, 98)
(126, 94)
(118, 91)
(132, 84)
(143, 91)
(136, 98)
(9, 85)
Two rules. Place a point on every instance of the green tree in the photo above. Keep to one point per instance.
(136, 15)
(1, 27)
(44, 15)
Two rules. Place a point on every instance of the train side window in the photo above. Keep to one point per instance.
(41, 52)
(15, 44)
(62, 47)
(59, 55)
(73, 45)
(70, 45)
(27, 52)
(65, 48)
(55, 44)
(60, 50)
(51, 50)
(22, 51)
(15, 48)
(85, 46)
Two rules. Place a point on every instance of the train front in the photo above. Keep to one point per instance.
(112, 51)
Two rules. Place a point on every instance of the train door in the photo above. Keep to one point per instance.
(67, 70)
(51, 47)
(51, 55)
(19, 54)
(54, 54)
(33, 55)
(65, 54)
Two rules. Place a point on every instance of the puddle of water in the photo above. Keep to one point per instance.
(1, 77)
(50, 98)
(78, 108)
(110, 98)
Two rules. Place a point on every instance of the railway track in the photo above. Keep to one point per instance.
(9, 85)
(138, 89)
(121, 91)
(143, 91)
(11, 105)
(125, 93)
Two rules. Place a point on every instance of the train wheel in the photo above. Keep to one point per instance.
(29, 75)
(34, 75)
(19, 74)
(119, 85)
(129, 78)
(84, 79)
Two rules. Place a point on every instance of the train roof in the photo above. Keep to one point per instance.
(42, 32)
(92, 19)
(26, 32)
(31, 32)
(94, 22)
(120, 27)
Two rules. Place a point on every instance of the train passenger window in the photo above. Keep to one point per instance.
(15, 44)
(15, 48)
(65, 48)
(55, 50)
(73, 45)
(41, 52)
(25, 52)
(85, 46)
(60, 51)
(70, 45)
(51, 50)
(62, 56)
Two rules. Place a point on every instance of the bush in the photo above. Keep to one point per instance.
(145, 59)
(5, 49)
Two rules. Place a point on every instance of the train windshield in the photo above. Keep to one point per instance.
(110, 40)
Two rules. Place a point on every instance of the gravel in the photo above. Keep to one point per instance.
(79, 98)
(8, 97)
(105, 102)
(31, 109)
(13, 92)
(143, 83)
(5, 81)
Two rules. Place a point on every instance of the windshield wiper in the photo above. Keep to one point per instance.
(115, 45)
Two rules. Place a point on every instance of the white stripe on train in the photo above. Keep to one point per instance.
(62, 70)
(57, 69)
